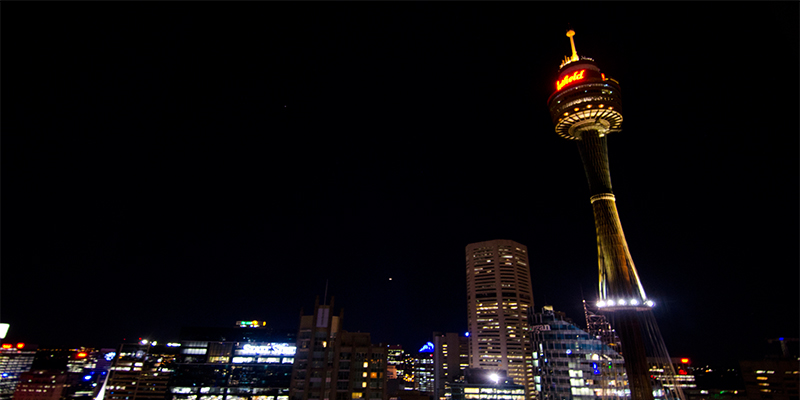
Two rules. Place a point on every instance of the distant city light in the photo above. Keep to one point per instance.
(82, 354)
(569, 351)
(685, 360)
(110, 355)
(87, 377)
(4, 330)
(467, 335)
(495, 378)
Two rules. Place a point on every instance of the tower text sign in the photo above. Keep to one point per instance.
(576, 76)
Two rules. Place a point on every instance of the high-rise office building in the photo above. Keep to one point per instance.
(572, 364)
(140, 371)
(52, 385)
(451, 358)
(14, 360)
(332, 364)
(425, 370)
(771, 378)
(499, 297)
(395, 361)
(248, 362)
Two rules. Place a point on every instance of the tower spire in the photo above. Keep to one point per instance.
(570, 34)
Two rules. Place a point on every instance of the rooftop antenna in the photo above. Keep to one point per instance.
(325, 296)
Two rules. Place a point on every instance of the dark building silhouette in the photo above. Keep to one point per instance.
(332, 364)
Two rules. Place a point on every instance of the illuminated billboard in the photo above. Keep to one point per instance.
(268, 349)
(250, 324)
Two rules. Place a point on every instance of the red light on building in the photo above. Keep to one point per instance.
(20, 345)
(82, 354)
(6, 345)
(681, 372)
(684, 360)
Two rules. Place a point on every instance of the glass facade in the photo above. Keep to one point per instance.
(570, 364)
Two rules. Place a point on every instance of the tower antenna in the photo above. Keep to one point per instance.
(570, 34)
(325, 296)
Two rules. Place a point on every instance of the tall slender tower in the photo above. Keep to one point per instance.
(586, 107)
(499, 297)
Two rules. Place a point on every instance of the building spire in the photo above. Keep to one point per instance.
(570, 34)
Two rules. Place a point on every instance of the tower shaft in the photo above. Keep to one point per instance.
(617, 273)
(633, 350)
(618, 278)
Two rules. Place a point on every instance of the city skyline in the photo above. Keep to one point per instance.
(199, 166)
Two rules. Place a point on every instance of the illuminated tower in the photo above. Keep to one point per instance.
(586, 107)
(498, 299)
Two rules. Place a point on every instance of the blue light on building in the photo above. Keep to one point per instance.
(428, 348)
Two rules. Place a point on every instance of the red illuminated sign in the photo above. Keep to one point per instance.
(576, 76)
(20, 345)
(6, 345)
(685, 360)
(82, 355)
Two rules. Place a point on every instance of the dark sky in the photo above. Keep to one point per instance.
(194, 164)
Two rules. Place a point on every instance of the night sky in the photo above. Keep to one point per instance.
(195, 164)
